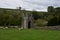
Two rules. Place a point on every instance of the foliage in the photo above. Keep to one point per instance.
(36, 15)
(14, 16)
(6, 20)
(41, 22)
(54, 21)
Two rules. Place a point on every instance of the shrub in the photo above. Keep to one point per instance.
(53, 22)
(41, 22)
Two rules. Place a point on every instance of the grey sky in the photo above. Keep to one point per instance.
(40, 5)
(10, 3)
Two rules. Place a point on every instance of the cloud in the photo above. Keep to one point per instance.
(10, 3)
(40, 4)
(30, 4)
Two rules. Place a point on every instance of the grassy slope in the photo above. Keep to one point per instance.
(29, 34)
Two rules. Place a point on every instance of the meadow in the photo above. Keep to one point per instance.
(29, 34)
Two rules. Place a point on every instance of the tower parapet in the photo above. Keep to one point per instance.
(51, 9)
(19, 8)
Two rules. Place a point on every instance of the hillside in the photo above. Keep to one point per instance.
(14, 16)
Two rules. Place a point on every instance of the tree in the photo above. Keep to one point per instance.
(19, 20)
(53, 22)
(36, 15)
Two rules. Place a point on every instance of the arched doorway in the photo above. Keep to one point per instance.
(29, 24)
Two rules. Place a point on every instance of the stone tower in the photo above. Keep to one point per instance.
(27, 20)
(50, 9)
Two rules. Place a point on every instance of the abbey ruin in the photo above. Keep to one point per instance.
(25, 19)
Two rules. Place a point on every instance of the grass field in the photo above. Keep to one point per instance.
(29, 34)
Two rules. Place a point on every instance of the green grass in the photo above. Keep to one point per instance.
(29, 34)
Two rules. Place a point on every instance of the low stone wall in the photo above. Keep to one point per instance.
(49, 27)
(45, 27)
(9, 27)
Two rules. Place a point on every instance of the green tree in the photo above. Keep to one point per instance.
(36, 15)
(53, 22)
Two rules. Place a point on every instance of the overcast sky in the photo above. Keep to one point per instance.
(30, 4)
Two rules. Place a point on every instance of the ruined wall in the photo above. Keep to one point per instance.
(49, 27)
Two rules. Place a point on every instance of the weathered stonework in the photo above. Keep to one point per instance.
(27, 20)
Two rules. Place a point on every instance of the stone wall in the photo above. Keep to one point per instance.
(49, 27)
